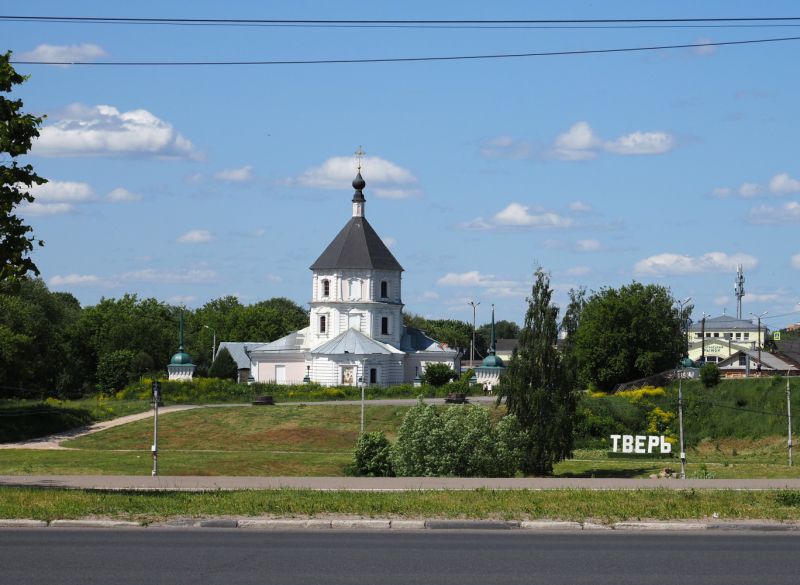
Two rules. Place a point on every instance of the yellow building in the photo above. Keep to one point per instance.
(722, 337)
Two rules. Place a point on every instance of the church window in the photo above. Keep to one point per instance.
(384, 289)
(373, 376)
(322, 324)
(384, 325)
(326, 288)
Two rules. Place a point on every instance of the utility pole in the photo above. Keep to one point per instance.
(472, 351)
(703, 335)
(680, 391)
(363, 384)
(789, 411)
(156, 398)
(214, 346)
(759, 335)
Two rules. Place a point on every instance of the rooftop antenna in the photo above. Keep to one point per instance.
(738, 289)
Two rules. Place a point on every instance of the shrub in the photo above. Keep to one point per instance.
(141, 365)
(113, 370)
(438, 374)
(461, 442)
(372, 455)
(224, 366)
(710, 375)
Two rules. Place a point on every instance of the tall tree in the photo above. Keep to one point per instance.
(628, 333)
(569, 327)
(17, 130)
(537, 387)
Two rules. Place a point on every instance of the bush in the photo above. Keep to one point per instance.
(438, 374)
(372, 456)
(710, 375)
(113, 370)
(141, 365)
(224, 366)
(461, 442)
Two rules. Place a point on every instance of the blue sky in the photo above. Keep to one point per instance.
(190, 183)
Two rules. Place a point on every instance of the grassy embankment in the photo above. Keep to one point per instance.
(575, 505)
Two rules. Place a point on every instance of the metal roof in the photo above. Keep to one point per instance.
(354, 342)
(239, 351)
(768, 361)
(415, 340)
(357, 246)
(727, 322)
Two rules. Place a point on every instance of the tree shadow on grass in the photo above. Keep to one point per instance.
(25, 423)
(608, 473)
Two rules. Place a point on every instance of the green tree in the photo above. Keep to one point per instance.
(224, 366)
(17, 130)
(569, 327)
(502, 330)
(537, 386)
(372, 455)
(438, 374)
(113, 371)
(710, 375)
(626, 334)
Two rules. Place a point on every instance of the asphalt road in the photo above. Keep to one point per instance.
(208, 556)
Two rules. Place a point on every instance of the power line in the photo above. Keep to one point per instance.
(222, 21)
(413, 59)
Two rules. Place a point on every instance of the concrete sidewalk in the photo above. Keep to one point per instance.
(202, 483)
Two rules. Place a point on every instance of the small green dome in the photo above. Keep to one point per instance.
(492, 361)
(181, 359)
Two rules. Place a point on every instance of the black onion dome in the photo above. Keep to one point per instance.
(358, 182)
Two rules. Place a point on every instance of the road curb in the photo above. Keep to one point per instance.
(94, 524)
(470, 525)
(22, 523)
(545, 525)
(757, 527)
(659, 526)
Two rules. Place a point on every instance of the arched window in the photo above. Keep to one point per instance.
(384, 325)
(384, 289)
(322, 324)
(326, 288)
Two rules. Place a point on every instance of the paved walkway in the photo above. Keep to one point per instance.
(52, 442)
(381, 484)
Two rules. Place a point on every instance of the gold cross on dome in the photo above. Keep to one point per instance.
(360, 154)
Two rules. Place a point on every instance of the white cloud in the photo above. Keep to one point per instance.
(706, 49)
(580, 208)
(506, 147)
(62, 191)
(338, 173)
(578, 143)
(398, 193)
(578, 271)
(259, 233)
(190, 276)
(237, 175)
(720, 192)
(196, 237)
(84, 131)
(390, 242)
(274, 278)
(195, 179)
(553, 244)
(641, 143)
(61, 53)
(38, 209)
(590, 246)
(788, 213)
(517, 215)
(180, 299)
(473, 278)
(121, 194)
(77, 280)
(721, 300)
(750, 189)
(677, 265)
(429, 294)
(794, 261)
(783, 183)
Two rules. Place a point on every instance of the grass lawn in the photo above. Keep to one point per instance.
(576, 505)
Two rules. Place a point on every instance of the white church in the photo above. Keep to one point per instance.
(356, 319)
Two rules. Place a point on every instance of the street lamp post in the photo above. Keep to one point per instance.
(760, 342)
(214, 346)
(703, 335)
(156, 398)
(680, 397)
(472, 351)
(363, 385)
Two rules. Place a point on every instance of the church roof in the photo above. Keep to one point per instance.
(357, 246)
(355, 342)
